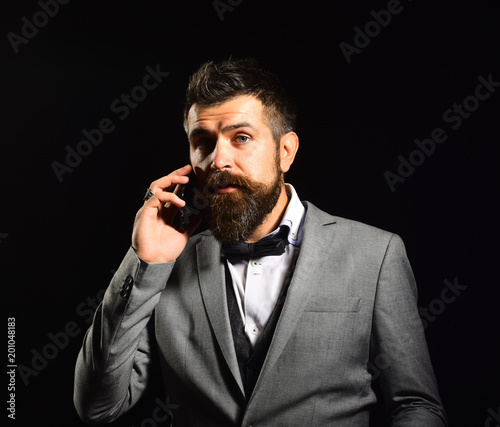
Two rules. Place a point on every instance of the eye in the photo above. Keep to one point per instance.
(242, 139)
(203, 144)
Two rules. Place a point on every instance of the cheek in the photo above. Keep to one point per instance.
(264, 169)
(198, 161)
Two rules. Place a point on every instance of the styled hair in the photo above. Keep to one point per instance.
(215, 83)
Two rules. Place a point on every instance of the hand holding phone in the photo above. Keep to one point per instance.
(154, 237)
(196, 200)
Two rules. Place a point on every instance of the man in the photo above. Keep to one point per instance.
(316, 324)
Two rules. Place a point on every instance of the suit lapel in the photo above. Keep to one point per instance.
(318, 232)
(212, 283)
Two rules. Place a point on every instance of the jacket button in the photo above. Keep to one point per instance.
(126, 287)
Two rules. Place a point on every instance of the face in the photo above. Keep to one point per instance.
(234, 137)
(231, 146)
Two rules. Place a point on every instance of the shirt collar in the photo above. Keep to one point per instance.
(294, 216)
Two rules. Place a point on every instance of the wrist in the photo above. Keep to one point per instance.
(151, 260)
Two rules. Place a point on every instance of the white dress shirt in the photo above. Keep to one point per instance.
(258, 282)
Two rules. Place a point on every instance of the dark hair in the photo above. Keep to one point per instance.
(216, 83)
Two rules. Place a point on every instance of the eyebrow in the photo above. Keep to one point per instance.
(237, 126)
(202, 131)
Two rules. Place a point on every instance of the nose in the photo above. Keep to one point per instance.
(222, 156)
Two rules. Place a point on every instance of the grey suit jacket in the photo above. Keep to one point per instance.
(350, 317)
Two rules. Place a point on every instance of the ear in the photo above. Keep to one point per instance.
(289, 144)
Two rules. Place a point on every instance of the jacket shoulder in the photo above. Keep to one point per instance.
(348, 228)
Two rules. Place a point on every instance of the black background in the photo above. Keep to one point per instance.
(61, 241)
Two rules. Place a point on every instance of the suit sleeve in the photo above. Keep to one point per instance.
(399, 349)
(114, 364)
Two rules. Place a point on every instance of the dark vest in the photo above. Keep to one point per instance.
(250, 360)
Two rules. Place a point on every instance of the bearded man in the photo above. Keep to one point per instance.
(278, 314)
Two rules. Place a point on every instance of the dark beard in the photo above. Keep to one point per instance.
(233, 217)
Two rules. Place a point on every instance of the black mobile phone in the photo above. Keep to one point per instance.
(195, 200)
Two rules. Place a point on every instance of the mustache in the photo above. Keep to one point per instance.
(221, 179)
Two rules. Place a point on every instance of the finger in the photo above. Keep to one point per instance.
(162, 198)
(167, 183)
(179, 176)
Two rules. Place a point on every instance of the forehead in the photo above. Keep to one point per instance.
(245, 107)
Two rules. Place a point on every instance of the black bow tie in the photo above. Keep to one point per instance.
(269, 245)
